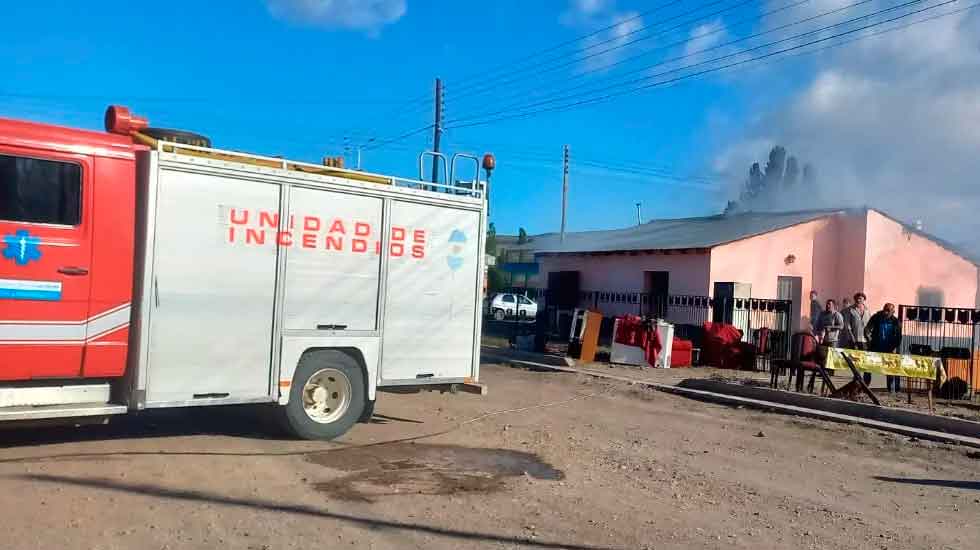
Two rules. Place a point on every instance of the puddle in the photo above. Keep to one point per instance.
(423, 469)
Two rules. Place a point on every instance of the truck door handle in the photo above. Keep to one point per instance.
(72, 270)
(331, 327)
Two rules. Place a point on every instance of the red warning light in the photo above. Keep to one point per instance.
(118, 120)
(489, 162)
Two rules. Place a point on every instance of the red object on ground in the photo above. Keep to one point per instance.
(653, 347)
(631, 332)
(721, 347)
(681, 352)
(634, 331)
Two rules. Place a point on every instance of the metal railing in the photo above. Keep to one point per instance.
(476, 189)
(950, 333)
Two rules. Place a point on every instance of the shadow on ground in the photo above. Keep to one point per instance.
(948, 483)
(308, 511)
(251, 422)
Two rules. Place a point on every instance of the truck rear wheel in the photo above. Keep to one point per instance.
(327, 396)
(368, 411)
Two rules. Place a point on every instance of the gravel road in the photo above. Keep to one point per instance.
(575, 463)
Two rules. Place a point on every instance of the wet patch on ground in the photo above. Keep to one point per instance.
(415, 468)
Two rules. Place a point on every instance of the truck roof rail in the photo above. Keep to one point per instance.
(291, 165)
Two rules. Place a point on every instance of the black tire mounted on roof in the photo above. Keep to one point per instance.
(327, 397)
(177, 136)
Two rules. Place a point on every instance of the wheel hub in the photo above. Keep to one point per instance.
(327, 395)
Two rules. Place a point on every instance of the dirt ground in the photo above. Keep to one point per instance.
(574, 462)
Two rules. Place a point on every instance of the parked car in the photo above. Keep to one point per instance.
(506, 304)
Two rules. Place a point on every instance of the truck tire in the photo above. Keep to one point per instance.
(368, 411)
(327, 397)
(499, 314)
(177, 136)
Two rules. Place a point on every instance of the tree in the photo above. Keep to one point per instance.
(495, 279)
(809, 176)
(753, 186)
(491, 242)
(764, 189)
(521, 236)
(792, 173)
(774, 168)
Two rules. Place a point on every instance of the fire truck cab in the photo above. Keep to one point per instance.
(139, 273)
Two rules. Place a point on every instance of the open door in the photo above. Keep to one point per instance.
(656, 286)
(791, 288)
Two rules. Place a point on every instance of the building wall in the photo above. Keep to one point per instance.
(624, 273)
(904, 268)
(837, 255)
(799, 251)
(851, 251)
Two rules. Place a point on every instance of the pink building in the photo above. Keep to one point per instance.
(780, 254)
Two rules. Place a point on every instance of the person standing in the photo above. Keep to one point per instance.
(815, 311)
(829, 325)
(856, 317)
(884, 335)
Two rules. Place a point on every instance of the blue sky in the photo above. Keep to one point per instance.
(305, 78)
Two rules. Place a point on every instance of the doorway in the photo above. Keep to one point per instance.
(656, 289)
(791, 288)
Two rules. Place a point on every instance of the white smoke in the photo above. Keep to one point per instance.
(891, 121)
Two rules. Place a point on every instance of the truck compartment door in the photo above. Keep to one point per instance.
(214, 280)
(431, 293)
(333, 262)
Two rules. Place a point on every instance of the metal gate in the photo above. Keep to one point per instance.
(951, 334)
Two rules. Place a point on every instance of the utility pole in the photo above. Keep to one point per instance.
(437, 133)
(639, 219)
(564, 191)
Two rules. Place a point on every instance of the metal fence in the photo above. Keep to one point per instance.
(951, 334)
(764, 323)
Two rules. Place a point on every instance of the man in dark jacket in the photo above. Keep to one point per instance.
(884, 335)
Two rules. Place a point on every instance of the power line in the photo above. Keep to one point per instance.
(551, 157)
(373, 144)
(206, 100)
(560, 45)
(886, 31)
(606, 68)
(633, 173)
(557, 98)
(537, 68)
(609, 96)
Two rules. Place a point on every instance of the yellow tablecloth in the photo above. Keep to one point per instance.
(891, 364)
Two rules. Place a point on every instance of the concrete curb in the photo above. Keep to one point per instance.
(891, 415)
(735, 400)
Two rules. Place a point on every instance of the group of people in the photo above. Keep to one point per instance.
(854, 327)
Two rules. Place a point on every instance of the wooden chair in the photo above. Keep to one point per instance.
(806, 355)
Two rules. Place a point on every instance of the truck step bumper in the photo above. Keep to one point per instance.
(71, 393)
(42, 412)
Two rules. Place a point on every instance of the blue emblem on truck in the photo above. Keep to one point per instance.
(22, 247)
(457, 239)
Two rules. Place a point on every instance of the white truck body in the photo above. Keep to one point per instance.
(241, 269)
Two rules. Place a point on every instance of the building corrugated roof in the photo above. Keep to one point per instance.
(676, 234)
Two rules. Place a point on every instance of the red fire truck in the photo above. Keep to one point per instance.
(140, 268)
